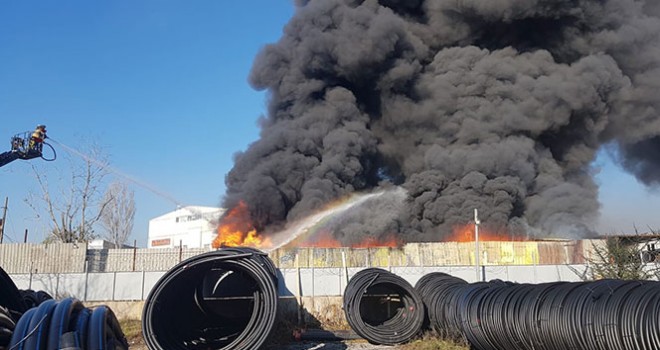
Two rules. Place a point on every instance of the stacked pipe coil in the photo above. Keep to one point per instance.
(440, 312)
(7, 325)
(364, 299)
(605, 314)
(225, 299)
(10, 296)
(32, 320)
(33, 298)
(67, 324)
(12, 307)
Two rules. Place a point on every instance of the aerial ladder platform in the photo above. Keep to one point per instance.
(25, 148)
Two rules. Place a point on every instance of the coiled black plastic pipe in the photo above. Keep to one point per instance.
(10, 296)
(32, 320)
(441, 313)
(367, 298)
(7, 326)
(604, 314)
(225, 299)
(67, 324)
(33, 298)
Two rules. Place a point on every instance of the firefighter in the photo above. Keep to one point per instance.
(38, 137)
(16, 143)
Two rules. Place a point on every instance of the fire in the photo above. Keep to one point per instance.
(325, 240)
(236, 230)
(465, 233)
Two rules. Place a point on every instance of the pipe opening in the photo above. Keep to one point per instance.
(220, 300)
(382, 307)
(382, 303)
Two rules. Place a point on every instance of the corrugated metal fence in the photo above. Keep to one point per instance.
(76, 258)
(46, 258)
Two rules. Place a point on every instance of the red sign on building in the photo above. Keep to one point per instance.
(160, 242)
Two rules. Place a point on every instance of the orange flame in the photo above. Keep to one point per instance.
(235, 229)
(465, 233)
(321, 239)
(325, 240)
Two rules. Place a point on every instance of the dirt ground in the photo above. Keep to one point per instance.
(348, 345)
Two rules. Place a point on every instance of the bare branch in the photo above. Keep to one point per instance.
(72, 214)
(118, 213)
(619, 258)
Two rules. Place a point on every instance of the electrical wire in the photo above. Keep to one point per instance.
(18, 344)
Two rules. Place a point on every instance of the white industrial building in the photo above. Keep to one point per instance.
(188, 227)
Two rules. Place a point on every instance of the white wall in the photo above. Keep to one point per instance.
(191, 227)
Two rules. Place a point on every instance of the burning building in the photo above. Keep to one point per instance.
(499, 106)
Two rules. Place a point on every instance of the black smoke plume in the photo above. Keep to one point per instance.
(496, 105)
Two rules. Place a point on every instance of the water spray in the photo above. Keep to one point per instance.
(306, 225)
(119, 173)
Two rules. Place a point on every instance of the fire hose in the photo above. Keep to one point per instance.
(225, 299)
(604, 314)
(368, 299)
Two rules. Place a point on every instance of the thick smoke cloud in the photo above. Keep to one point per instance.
(496, 105)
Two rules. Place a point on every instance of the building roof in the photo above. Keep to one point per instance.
(187, 210)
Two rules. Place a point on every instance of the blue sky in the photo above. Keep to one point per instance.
(162, 87)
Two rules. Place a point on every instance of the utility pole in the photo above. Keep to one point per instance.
(476, 245)
(4, 218)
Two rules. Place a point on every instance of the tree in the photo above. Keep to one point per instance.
(619, 258)
(79, 205)
(118, 216)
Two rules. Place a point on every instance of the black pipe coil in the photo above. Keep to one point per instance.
(441, 314)
(32, 320)
(7, 325)
(10, 296)
(32, 298)
(225, 299)
(604, 314)
(66, 324)
(364, 297)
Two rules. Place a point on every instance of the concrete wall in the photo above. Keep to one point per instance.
(311, 280)
(103, 286)
(302, 282)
